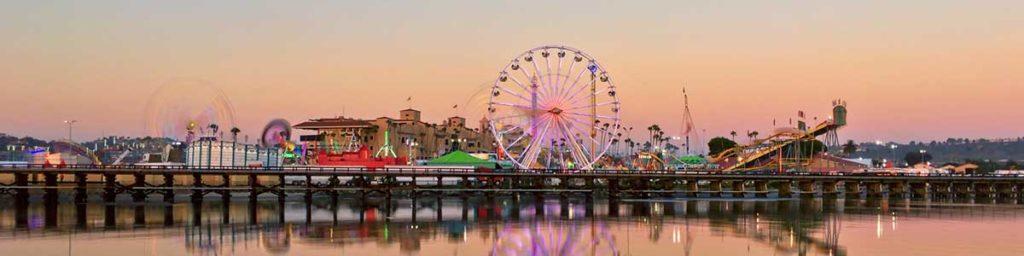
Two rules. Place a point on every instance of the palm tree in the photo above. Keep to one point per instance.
(733, 134)
(615, 142)
(849, 148)
(619, 137)
(234, 133)
(652, 133)
(214, 128)
(661, 135)
(234, 142)
(755, 133)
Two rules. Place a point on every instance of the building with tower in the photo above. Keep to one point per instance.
(408, 135)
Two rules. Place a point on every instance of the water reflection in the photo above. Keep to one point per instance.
(475, 226)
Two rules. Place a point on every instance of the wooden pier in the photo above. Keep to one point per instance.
(22, 182)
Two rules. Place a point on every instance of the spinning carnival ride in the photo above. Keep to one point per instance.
(553, 107)
(278, 133)
(181, 107)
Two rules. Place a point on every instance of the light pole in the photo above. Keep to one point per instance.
(412, 146)
(71, 124)
(922, 157)
(892, 148)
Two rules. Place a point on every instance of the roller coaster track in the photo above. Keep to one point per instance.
(777, 140)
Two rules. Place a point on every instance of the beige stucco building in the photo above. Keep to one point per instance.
(406, 133)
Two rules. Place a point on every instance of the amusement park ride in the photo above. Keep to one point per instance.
(782, 150)
(553, 107)
(550, 107)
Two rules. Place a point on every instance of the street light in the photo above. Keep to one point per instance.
(922, 156)
(892, 148)
(412, 146)
(70, 127)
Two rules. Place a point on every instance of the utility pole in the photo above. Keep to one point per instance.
(71, 124)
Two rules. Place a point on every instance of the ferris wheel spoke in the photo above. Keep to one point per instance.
(535, 146)
(543, 121)
(582, 90)
(547, 66)
(558, 70)
(599, 145)
(536, 70)
(579, 150)
(509, 130)
(568, 73)
(520, 84)
(541, 91)
(575, 99)
(526, 76)
(507, 117)
(579, 129)
(588, 105)
(511, 105)
(516, 141)
(597, 116)
(513, 93)
(574, 149)
(572, 87)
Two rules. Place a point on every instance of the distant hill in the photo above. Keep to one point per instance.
(107, 148)
(28, 142)
(951, 150)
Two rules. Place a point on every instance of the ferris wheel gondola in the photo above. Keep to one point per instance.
(554, 110)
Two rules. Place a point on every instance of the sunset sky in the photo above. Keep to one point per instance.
(909, 71)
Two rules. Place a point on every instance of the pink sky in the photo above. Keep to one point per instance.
(909, 71)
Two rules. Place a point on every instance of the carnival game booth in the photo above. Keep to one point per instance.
(690, 163)
(359, 158)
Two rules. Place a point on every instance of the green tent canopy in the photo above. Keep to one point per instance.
(690, 159)
(459, 158)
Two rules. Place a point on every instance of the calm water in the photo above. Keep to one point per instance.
(504, 226)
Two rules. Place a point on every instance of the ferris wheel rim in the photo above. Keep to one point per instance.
(586, 161)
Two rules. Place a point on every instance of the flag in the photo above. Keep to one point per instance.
(409, 99)
(455, 106)
(800, 114)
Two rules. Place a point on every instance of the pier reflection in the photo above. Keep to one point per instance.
(507, 225)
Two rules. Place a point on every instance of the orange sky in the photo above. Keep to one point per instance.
(909, 71)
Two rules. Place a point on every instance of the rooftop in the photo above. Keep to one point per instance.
(336, 122)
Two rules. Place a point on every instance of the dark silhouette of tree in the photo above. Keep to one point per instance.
(671, 148)
(916, 157)
(807, 148)
(1011, 165)
(719, 144)
(849, 148)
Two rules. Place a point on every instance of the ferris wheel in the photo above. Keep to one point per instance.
(553, 107)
